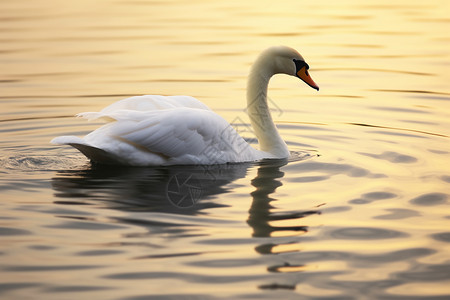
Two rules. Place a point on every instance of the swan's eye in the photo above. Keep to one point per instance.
(299, 64)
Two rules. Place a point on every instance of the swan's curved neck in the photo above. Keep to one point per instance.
(258, 110)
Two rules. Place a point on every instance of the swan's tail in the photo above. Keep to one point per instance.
(94, 154)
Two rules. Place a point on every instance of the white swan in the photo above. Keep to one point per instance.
(178, 130)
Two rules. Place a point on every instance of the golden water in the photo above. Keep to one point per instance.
(366, 217)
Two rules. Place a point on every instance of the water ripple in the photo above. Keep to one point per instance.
(365, 233)
(392, 157)
(373, 196)
(375, 70)
(400, 129)
(442, 237)
(398, 213)
(413, 92)
(430, 199)
(48, 268)
(426, 272)
(7, 231)
(7, 287)
(189, 277)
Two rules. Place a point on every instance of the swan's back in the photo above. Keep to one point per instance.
(145, 103)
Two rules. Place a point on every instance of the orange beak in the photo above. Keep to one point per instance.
(303, 74)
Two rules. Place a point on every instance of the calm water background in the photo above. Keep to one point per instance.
(365, 217)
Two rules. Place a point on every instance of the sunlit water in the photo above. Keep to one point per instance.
(364, 216)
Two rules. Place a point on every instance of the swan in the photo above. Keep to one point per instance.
(153, 130)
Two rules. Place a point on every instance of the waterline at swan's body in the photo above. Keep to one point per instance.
(169, 130)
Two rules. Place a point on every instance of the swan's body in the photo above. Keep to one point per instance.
(170, 130)
(159, 130)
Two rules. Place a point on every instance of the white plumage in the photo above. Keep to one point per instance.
(170, 130)
(159, 130)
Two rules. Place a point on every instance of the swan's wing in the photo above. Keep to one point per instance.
(145, 103)
(178, 135)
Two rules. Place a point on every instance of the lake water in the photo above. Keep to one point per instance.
(365, 216)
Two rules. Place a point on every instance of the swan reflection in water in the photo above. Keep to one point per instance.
(174, 189)
(177, 190)
(260, 214)
(188, 190)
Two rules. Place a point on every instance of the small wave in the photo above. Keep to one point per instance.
(41, 163)
(376, 70)
(302, 155)
(399, 129)
(410, 92)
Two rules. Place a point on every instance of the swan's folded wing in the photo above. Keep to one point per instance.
(171, 133)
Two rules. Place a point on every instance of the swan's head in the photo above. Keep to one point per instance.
(288, 61)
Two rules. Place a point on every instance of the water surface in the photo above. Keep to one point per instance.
(364, 216)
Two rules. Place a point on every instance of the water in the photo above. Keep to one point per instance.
(364, 216)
